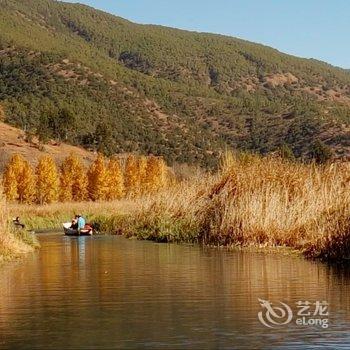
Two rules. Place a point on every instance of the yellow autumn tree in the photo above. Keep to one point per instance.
(80, 182)
(142, 174)
(11, 176)
(47, 181)
(156, 173)
(98, 179)
(131, 176)
(73, 180)
(66, 181)
(19, 180)
(115, 180)
(26, 184)
(163, 174)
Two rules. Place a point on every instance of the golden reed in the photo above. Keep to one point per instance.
(265, 202)
(251, 201)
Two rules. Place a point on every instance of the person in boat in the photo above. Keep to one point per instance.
(84, 227)
(17, 222)
(81, 222)
(74, 225)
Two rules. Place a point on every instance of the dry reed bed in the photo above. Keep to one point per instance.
(260, 202)
(251, 201)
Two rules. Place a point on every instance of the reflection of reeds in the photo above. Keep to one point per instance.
(252, 201)
(12, 243)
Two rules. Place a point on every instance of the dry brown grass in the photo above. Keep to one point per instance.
(273, 202)
(261, 202)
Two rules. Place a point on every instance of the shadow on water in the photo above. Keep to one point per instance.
(109, 292)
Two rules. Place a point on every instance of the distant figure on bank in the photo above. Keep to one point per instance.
(18, 223)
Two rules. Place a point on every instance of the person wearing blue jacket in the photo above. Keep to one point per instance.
(81, 222)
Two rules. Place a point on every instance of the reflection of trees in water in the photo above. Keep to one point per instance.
(81, 250)
(339, 284)
(340, 272)
(119, 285)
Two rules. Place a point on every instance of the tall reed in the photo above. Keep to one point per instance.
(261, 202)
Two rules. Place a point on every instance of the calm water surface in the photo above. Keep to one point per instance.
(109, 292)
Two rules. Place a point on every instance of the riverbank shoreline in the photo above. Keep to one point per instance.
(43, 219)
(126, 224)
(14, 243)
(251, 202)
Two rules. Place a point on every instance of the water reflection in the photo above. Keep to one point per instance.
(115, 293)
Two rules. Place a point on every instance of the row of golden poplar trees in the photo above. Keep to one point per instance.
(104, 180)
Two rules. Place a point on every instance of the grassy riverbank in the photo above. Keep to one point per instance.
(251, 202)
(13, 243)
(41, 217)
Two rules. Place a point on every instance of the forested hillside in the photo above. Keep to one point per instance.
(72, 73)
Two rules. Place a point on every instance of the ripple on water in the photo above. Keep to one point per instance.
(110, 292)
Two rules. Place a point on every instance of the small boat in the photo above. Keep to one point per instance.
(68, 231)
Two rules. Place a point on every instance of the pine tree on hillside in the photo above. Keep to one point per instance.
(2, 113)
(286, 152)
(131, 176)
(115, 180)
(47, 181)
(320, 152)
(98, 179)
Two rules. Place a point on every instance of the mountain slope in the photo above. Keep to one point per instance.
(77, 74)
(13, 140)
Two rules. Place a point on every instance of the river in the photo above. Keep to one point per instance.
(108, 292)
